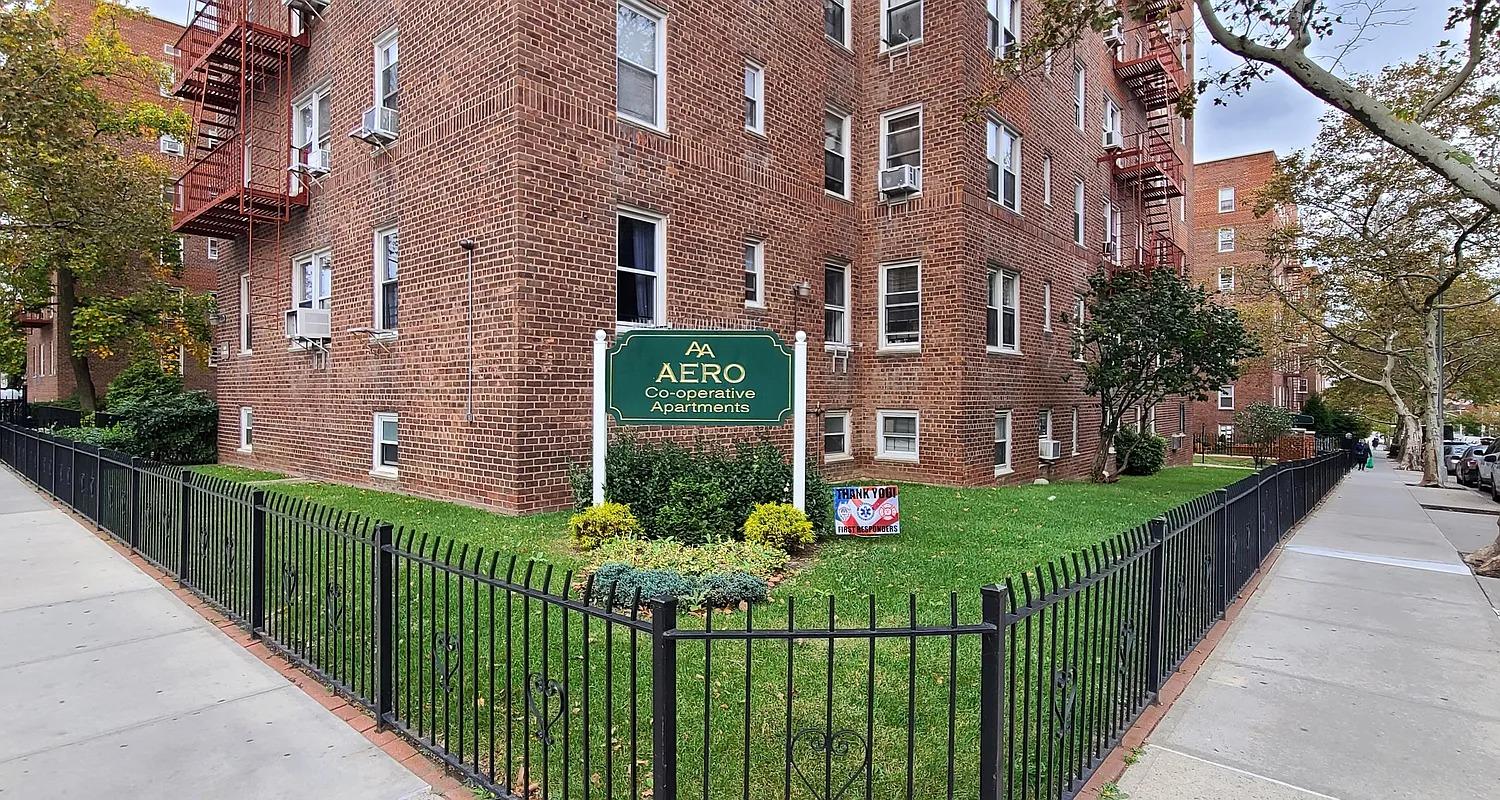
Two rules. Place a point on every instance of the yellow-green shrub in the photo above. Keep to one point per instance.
(597, 524)
(779, 525)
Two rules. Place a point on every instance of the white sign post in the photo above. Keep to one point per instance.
(601, 423)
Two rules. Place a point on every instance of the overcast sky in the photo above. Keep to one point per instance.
(1276, 115)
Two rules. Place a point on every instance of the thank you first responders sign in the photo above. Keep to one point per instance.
(866, 510)
(679, 377)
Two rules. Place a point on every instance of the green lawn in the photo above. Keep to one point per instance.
(1243, 462)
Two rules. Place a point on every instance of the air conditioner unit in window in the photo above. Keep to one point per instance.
(313, 163)
(1049, 449)
(904, 179)
(219, 355)
(1113, 140)
(307, 324)
(1110, 250)
(379, 126)
(1115, 35)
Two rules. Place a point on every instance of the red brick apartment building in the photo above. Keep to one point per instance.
(1229, 242)
(46, 377)
(542, 169)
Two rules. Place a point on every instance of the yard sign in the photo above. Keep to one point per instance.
(866, 510)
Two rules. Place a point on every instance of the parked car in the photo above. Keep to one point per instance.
(1468, 465)
(1452, 449)
(1487, 461)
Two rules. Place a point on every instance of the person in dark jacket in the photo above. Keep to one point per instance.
(1361, 453)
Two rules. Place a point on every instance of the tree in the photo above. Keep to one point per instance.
(1322, 416)
(1262, 425)
(82, 218)
(1149, 335)
(1268, 36)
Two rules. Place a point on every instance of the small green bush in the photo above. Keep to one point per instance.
(597, 524)
(172, 428)
(722, 556)
(779, 525)
(120, 438)
(1147, 452)
(728, 589)
(695, 512)
(623, 581)
(142, 379)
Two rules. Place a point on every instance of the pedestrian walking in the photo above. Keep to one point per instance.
(1361, 453)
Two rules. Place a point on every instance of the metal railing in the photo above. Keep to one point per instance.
(532, 683)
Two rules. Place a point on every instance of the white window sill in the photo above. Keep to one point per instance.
(999, 471)
(621, 327)
(837, 459)
(1002, 351)
(898, 198)
(246, 449)
(387, 473)
(640, 123)
(838, 347)
(244, 353)
(385, 336)
(899, 459)
(840, 45)
(889, 49)
(899, 349)
(754, 304)
(756, 132)
(835, 195)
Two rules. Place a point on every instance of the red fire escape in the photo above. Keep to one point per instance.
(1147, 163)
(234, 64)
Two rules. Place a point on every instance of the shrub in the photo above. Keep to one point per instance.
(626, 580)
(142, 379)
(696, 511)
(1143, 453)
(120, 438)
(725, 589)
(722, 556)
(171, 428)
(779, 525)
(597, 524)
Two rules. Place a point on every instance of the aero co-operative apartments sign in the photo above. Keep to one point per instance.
(678, 377)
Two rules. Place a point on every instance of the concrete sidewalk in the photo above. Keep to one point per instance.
(1366, 666)
(111, 687)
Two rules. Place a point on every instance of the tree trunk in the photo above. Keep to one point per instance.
(83, 378)
(1100, 472)
(1486, 561)
(1432, 467)
(1411, 440)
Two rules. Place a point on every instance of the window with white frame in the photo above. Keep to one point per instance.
(1047, 63)
(755, 273)
(245, 314)
(1226, 199)
(836, 436)
(755, 97)
(311, 129)
(1079, 90)
(900, 23)
(1074, 449)
(1226, 240)
(836, 304)
(836, 21)
(1004, 18)
(640, 269)
(247, 429)
(169, 84)
(387, 78)
(836, 153)
(1182, 209)
(1046, 305)
(1113, 134)
(213, 249)
(1151, 418)
(640, 64)
(1226, 279)
(1278, 395)
(898, 432)
(1044, 425)
(386, 453)
(901, 305)
(1078, 213)
(1002, 441)
(312, 280)
(1080, 307)
(1002, 312)
(1047, 179)
(1140, 243)
(387, 269)
(1226, 433)
(901, 139)
(1182, 421)
(169, 144)
(1226, 397)
(1111, 236)
(1003, 147)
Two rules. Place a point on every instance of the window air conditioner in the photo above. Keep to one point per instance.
(1113, 140)
(314, 163)
(1049, 449)
(904, 179)
(1110, 249)
(1115, 35)
(379, 126)
(307, 323)
(219, 355)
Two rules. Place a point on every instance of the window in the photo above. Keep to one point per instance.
(1226, 240)
(1004, 25)
(1140, 243)
(312, 278)
(1226, 199)
(640, 273)
(898, 435)
(1047, 180)
(900, 23)
(901, 139)
(1074, 450)
(1226, 433)
(640, 65)
(1226, 397)
(755, 98)
(213, 249)
(310, 130)
(1181, 418)
(836, 153)
(836, 21)
(167, 86)
(1046, 305)
(836, 304)
(1182, 209)
(169, 144)
(755, 274)
(836, 436)
(901, 306)
(1002, 328)
(1078, 94)
(1002, 442)
(170, 50)
(1003, 147)
(1151, 419)
(1278, 396)
(1080, 306)
(387, 84)
(245, 314)
(387, 449)
(1111, 235)
(387, 261)
(1047, 63)
(1226, 279)
(1078, 214)
(247, 429)
(1044, 425)
(1113, 137)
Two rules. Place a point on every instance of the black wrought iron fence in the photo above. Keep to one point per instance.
(535, 684)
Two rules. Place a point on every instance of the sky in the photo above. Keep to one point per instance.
(1274, 115)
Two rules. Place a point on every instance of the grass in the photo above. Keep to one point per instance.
(238, 474)
(1243, 462)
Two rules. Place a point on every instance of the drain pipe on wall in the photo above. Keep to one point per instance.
(468, 246)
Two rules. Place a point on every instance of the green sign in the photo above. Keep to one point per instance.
(672, 377)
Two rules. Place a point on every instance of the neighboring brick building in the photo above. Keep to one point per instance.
(619, 162)
(46, 377)
(1229, 245)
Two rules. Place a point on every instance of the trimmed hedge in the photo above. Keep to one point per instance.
(1147, 452)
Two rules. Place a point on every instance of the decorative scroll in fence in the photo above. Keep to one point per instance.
(533, 683)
